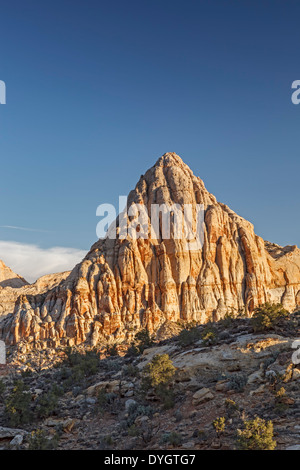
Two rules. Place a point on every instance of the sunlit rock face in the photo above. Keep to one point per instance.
(10, 279)
(124, 285)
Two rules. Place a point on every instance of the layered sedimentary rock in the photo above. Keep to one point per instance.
(10, 283)
(124, 285)
(8, 278)
(10, 294)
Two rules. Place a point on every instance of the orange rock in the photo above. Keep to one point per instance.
(125, 285)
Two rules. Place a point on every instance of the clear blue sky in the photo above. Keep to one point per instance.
(98, 90)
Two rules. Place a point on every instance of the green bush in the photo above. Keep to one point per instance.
(39, 441)
(134, 431)
(268, 316)
(189, 336)
(132, 351)
(166, 395)
(172, 438)
(112, 350)
(135, 410)
(105, 400)
(17, 405)
(160, 371)
(88, 361)
(77, 367)
(47, 404)
(108, 440)
(256, 435)
(158, 375)
(228, 318)
(130, 371)
(282, 402)
(232, 408)
(209, 336)
(2, 388)
(143, 340)
(175, 439)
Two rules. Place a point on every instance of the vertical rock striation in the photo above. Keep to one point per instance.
(124, 285)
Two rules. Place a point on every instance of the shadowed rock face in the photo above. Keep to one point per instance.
(124, 285)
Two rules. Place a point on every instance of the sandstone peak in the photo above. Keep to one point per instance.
(171, 158)
(124, 285)
(8, 278)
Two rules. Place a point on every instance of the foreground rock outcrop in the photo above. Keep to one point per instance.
(92, 403)
(124, 285)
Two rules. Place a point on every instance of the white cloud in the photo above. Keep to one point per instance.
(25, 229)
(32, 261)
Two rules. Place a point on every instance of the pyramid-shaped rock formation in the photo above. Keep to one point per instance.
(8, 278)
(124, 285)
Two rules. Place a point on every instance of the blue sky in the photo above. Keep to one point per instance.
(97, 91)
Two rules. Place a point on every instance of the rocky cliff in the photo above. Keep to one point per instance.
(8, 278)
(124, 285)
(9, 283)
(10, 294)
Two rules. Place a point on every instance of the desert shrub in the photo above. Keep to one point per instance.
(232, 407)
(281, 401)
(135, 410)
(172, 438)
(189, 336)
(228, 318)
(17, 405)
(57, 390)
(280, 393)
(178, 416)
(159, 371)
(130, 371)
(47, 404)
(88, 361)
(102, 399)
(77, 367)
(143, 340)
(2, 388)
(39, 441)
(237, 382)
(112, 364)
(133, 431)
(268, 316)
(112, 350)
(108, 440)
(132, 351)
(219, 424)
(209, 335)
(256, 435)
(25, 374)
(158, 375)
(105, 401)
(166, 395)
(175, 439)
(201, 434)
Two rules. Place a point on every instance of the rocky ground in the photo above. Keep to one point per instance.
(97, 400)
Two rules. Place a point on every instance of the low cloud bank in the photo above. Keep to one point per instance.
(32, 261)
